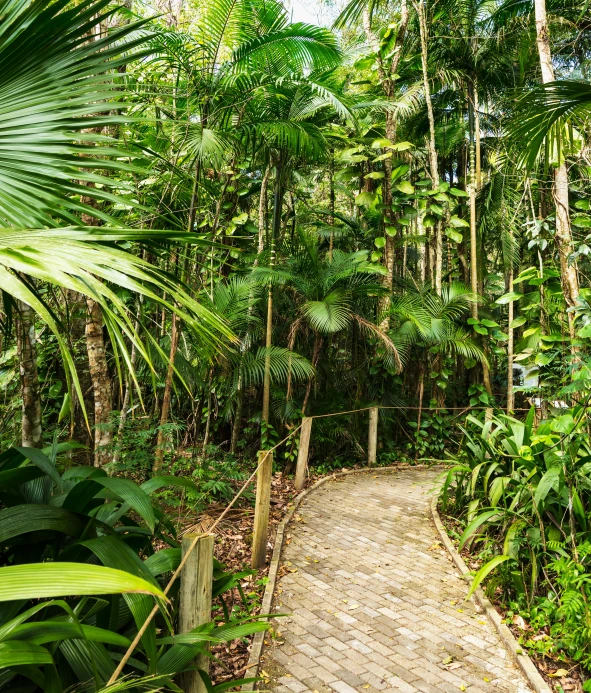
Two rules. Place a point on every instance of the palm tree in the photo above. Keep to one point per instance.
(54, 168)
(329, 293)
(429, 321)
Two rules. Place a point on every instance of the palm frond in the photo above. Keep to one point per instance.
(545, 116)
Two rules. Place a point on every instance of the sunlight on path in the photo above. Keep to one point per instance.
(374, 602)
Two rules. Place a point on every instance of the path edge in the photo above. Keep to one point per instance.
(252, 667)
(523, 660)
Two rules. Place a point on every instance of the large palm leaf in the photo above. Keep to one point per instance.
(54, 81)
(545, 117)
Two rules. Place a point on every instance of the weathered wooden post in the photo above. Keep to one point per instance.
(261, 509)
(302, 465)
(195, 600)
(372, 442)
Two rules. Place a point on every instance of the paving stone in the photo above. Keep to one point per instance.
(384, 607)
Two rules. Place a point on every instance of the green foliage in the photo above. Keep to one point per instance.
(91, 538)
(523, 494)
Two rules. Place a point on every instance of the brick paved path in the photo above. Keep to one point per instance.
(374, 602)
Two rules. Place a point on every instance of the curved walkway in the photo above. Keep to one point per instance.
(374, 602)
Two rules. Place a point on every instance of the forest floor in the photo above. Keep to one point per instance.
(375, 603)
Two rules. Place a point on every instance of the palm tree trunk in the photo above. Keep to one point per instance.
(433, 163)
(510, 353)
(208, 421)
(125, 405)
(315, 356)
(80, 428)
(32, 433)
(167, 397)
(262, 211)
(277, 205)
(387, 76)
(237, 417)
(568, 272)
(332, 203)
(101, 383)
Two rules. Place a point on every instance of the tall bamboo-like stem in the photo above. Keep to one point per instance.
(174, 337)
(472, 202)
(510, 351)
(472, 187)
(167, 397)
(125, 404)
(477, 137)
(433, 162)
(387, 74)
(332, 203)
(568, 272)
(277, 205)
(262, 211)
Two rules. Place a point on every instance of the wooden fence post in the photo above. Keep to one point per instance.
(261, 509)
(195, 601)
(372, 442)
(302, 465)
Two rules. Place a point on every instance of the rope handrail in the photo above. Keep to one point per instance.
(184, 559)
(221, 516)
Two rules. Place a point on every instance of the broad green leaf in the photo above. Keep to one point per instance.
(511, 546)
(457, 192)
(454, 235)
(375, 175)
(18, 654)
(379, 242)
(42, 632)
(405, 187)
(549, 481)
(476, 524)
(518, 322)
(133, 495)
(365, 199)
(41, 580)
(506, 298)
(401, 146)
(484, 571)
(381, 142)
(457, 222)
(24, 518)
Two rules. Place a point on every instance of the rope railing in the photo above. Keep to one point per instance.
(263, 472)
(186, 556)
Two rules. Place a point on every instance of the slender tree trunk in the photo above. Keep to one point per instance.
(237, 417)
(478, 157)
(32, 434)
(277, 205)
(510, 354)
(568, 272)
(315, 356)
(387, 74)
(262, 211)
(167, 396)
(433, 163)
(332, 204)
(101, 383)
(125, 405)
(80, 429)
(208, 421)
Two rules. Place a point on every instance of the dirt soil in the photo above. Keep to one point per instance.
(233, 548)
